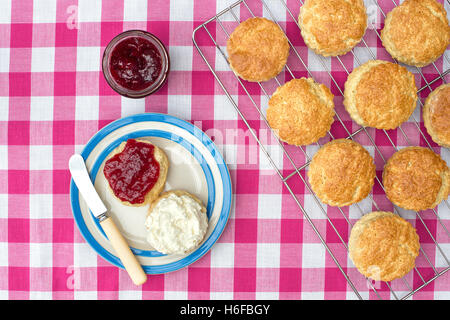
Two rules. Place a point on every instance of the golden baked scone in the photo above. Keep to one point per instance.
(380, 94)
(436, 115)
(383, 246)
(342, 172)
(416, 32)
(416, 178)
(332, 27)
(301, 111)
(257, 49)
(127, 196)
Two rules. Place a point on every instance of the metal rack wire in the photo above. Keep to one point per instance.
(219, 22)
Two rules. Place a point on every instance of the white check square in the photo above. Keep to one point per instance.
(130, 295)
(135, 10)
(175, 295)
(41, 108)
(179, 106)
(41, 255)
(4, 108)
(86, 108)
(41, 295)
(41, 206)
(84, 256)
(268, 255)
(89, 11)
(4, 59)
(132, 106)
(180, 58)
(313, 255)
(3, 157)
(3, 205)
(221, 295)
(43, 59)
(4, 255)
(229, 152)
(269, 206)
(181, 10)
(5, 13)
(313, 207)
(88, 59)
(85, 295)
(267, 295)
(44, 11)
(222, 256)
(41, 157)
(316, 295)
(223, 108)
(440, 260)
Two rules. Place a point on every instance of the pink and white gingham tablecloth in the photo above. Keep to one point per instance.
(53, 98)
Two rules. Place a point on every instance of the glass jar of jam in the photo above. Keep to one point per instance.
(135, 64)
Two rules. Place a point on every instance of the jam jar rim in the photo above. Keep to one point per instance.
(162, 77)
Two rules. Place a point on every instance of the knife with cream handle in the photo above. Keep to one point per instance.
(80, 175)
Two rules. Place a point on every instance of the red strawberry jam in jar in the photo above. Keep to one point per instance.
(135, 64)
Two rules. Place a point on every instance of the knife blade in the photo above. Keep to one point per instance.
(80, 176)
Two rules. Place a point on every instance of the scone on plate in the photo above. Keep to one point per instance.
(301, 111)
(136, 172)
(436, 115)
(257, 49)
(380, 94)
(341, 173)
(416, 178)
(416, 32)
(332, 27)
(383, 246)
(176, 222)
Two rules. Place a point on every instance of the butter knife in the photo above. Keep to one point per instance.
(82, 180)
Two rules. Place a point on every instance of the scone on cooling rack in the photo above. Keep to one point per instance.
(416, 32)
(436, 115)
(416, 178)
(301, 111)
(257, 50)
(332, 27)
(136, 172)
(383, 246)
(380, 94)
(341, 173)
(176, 222)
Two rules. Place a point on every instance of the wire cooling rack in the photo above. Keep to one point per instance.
(214, 32)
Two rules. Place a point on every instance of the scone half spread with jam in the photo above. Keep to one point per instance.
(136, 172)
(176, 222)
(416, 32)
(332, 27)
(436, 115)
(341, 173)
(257, 50)
(380, 94)
(301, 111)
(383, 246)
(416, 178)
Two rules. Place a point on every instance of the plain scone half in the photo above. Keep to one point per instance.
(154, 192)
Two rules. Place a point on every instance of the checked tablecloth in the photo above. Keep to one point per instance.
(53, 98)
